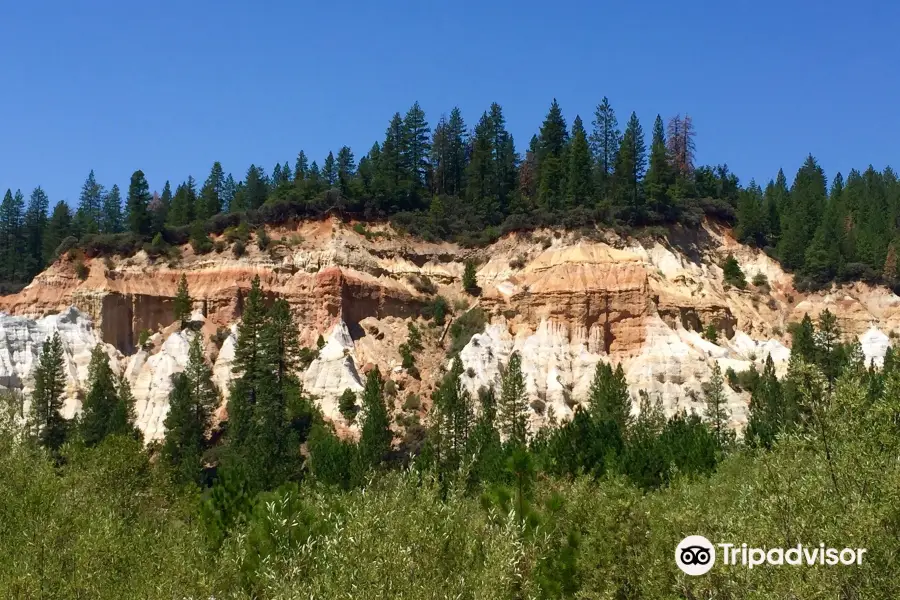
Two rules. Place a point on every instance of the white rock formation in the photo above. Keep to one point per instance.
(874, 345)
(333, 371)
(20, 346)
(673, 364)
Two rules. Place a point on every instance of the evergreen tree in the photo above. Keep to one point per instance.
(210, 202)
(439, 157)
(771, 214)
(35, 226)
(513, 408)
(346, 169)
(630, 165)
(104, 412)
(717, 413)
(191, 403)
(830, 354)
(503, 177)
(801, 216)
(659, 175)
(609, 397)
(48, 395)
(732, 272)
(59, 227)
(329, 170)
(551, 148)
(181, 212)
(159, 211)
(415, 149)
(255, 188)
(752, 223)
(229, 188)
(112, 221)
(803, 343)
(453, 419)
(681, 146)
(769, 413)
(376, 436)
(181, 305)
(579, 184)
(281, 348)
(484, 441)
(137, 202)
(12, 240)
(605, 145)
(457, 156)
(469, 279)
(248, 366)
(90, 212)
(480, 191)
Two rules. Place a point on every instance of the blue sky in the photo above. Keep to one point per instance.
(169, 87)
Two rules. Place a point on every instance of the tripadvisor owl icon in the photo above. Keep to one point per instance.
(695, 555)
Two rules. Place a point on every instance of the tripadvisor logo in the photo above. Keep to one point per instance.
(696, 555)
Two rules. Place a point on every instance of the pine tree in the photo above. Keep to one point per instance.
(469, 278)
(457, 156)
(453, 419)
(768, 411)
(830, 353)
(346, 169)
(90, 213)
(717, 413)
(229, 188)
(12, 240)
(191, 403)
(329, 170)
(182, 211)
(503, 177)
(376, 436)
(108, 407)
(552, 144)
(415, 149)
(752, 224)
(210, 202)
(772, 214)
(59, 227)
(513, 413)
(281, 348)
(579, 184)
(255, 188)
(48, 395)
(480, 191)
(34, 227)
(630, 165)
(605, 145)
(137, 202)
(801, 216)
(112, 211)
(440, 158)
(659, 175)
(609, 399)
(159, 211)
(803, 344)
(181, 305)
(681, 145)
(247, 365)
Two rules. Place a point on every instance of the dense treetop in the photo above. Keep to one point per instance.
(470, 183)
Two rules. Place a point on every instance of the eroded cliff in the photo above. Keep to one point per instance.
(564, 300)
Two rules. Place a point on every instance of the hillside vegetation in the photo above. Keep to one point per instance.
(451, 181)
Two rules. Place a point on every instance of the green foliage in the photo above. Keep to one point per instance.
(732, 273)
(711, 334)
(347, 405)
(717, 413)
(609, 399)
(463, 328)
(412, 345)
(108, 407)
(469, 282)
(181, 305)
(81, 270)
(47, 424)
(262, 238)
(238, 249)
(437, 310)
(375, 432)
(200, 241)
(760, 280)
(513, 406)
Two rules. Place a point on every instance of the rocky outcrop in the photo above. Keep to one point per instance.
(563, 300)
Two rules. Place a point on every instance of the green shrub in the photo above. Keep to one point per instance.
(711, 334)
(463, 328)
(733, 274)
(760, 280)
(517, 263)
(437, 310)
(200, 241)
(144, 337)
(219, 246)
(81, 270)
(422, 284)
(347, 405)
(412, 402)
(238, 249)
(469, 280)
(262, 238)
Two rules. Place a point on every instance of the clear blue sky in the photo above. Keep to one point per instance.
(169, 87)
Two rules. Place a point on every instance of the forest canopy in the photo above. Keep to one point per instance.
(451, 180)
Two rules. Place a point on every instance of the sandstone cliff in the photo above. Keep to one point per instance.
(564, 300)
